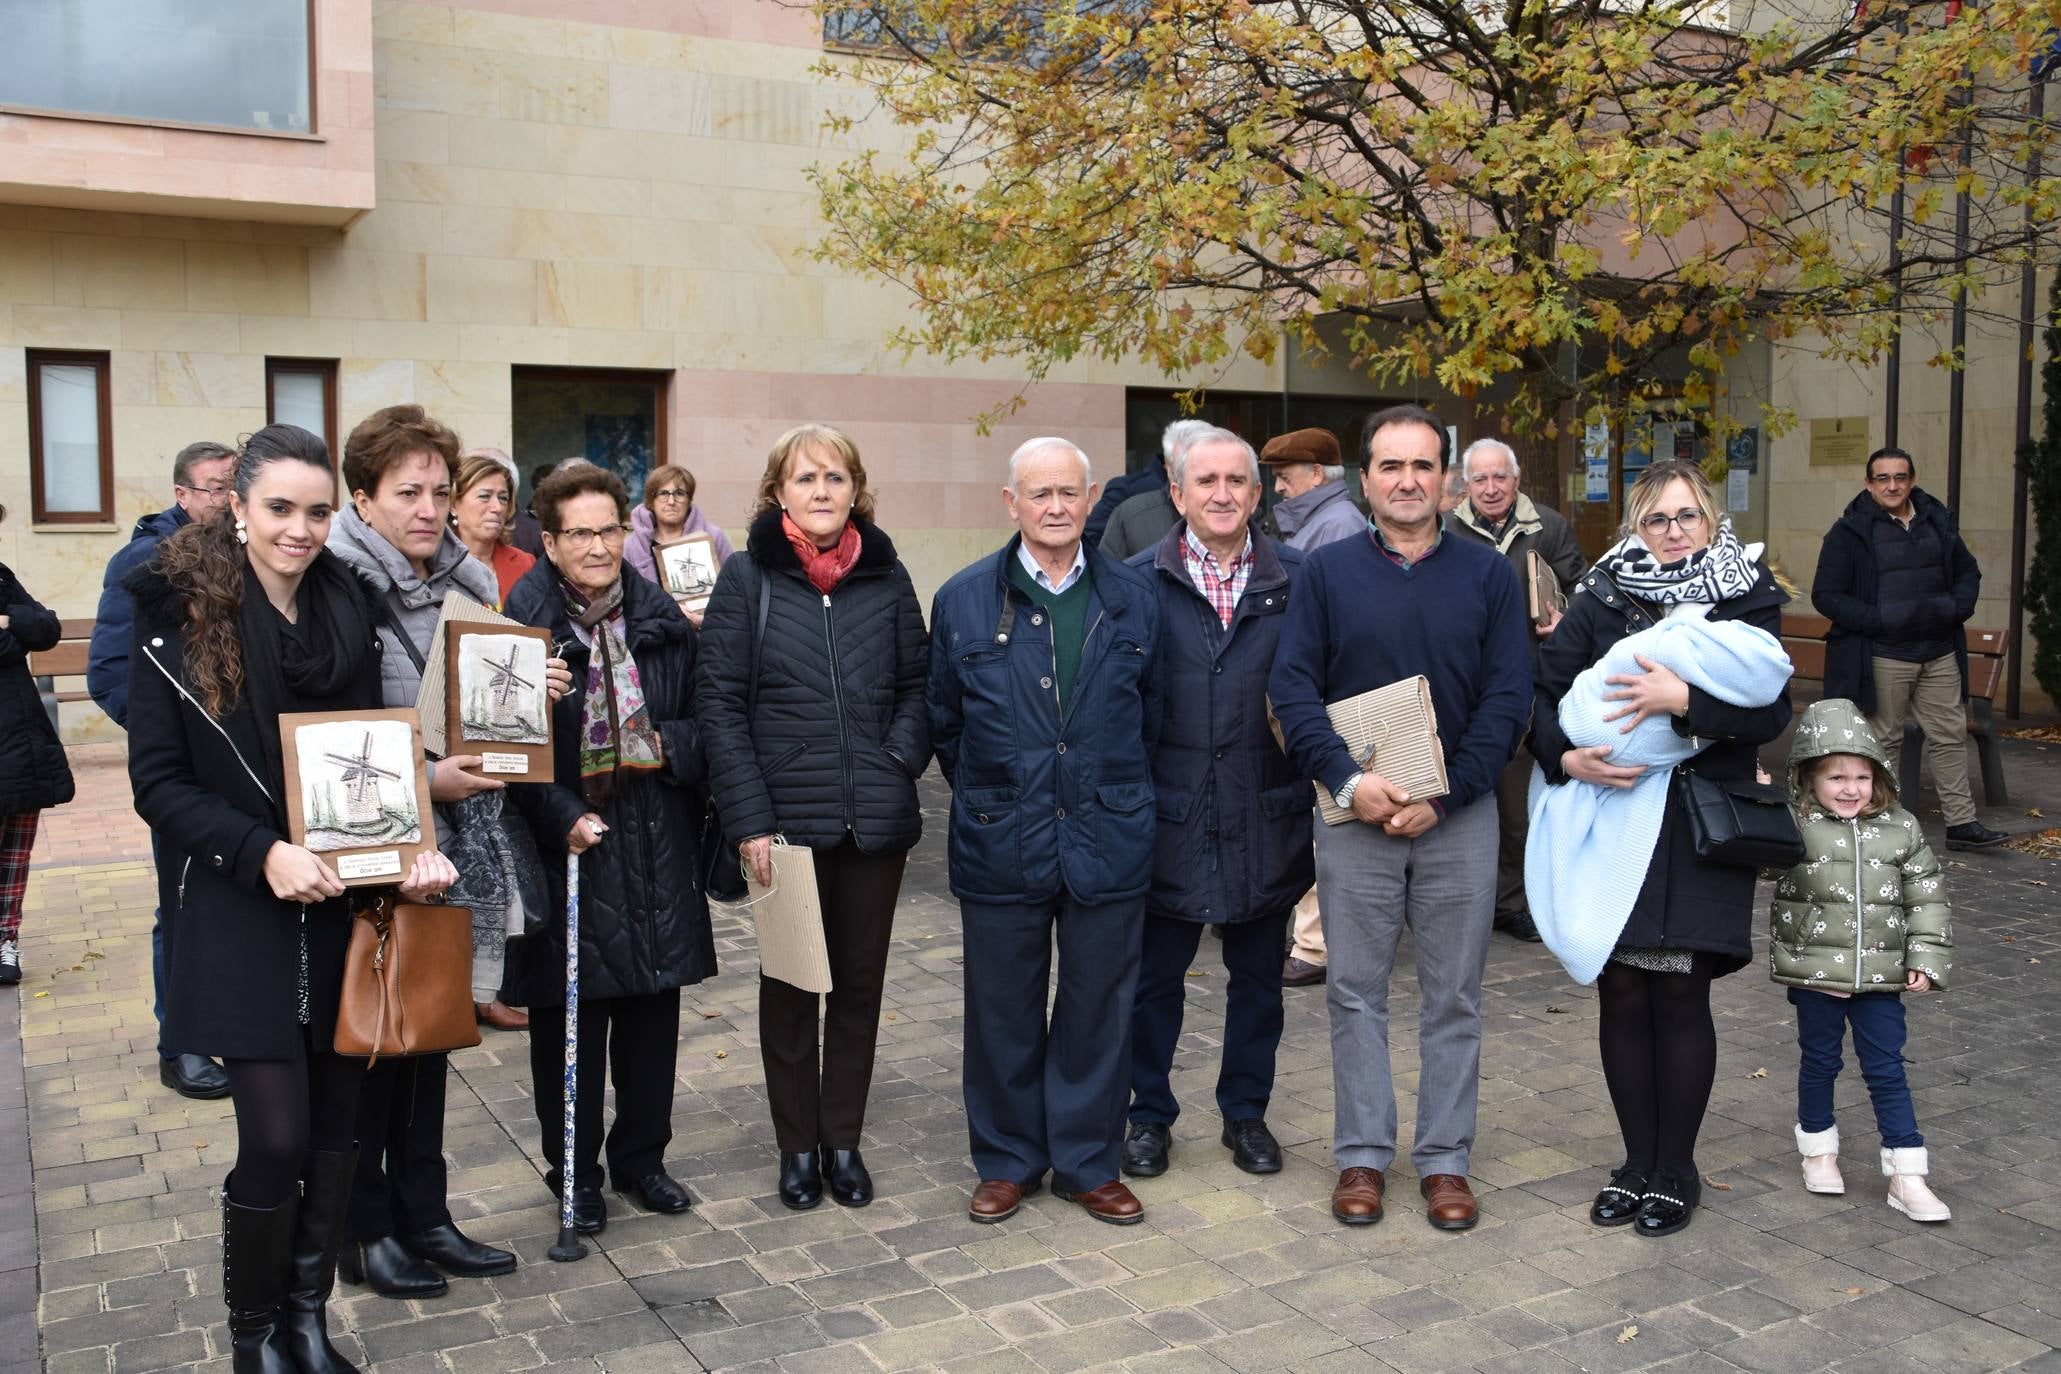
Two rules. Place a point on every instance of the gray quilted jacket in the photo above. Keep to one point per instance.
(1868, 902)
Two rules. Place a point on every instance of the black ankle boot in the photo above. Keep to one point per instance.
(801, 1180)
(257, 1248)
(325, 1190)
(850, 1184)
(390, 1270)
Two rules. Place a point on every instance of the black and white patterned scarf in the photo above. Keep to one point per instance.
(1719, 571)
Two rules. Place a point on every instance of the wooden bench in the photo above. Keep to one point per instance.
(1804, 637)
(65, 659)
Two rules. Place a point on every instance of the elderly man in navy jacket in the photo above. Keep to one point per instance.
(1404, 600)
(1044, 702)
(1233, 844)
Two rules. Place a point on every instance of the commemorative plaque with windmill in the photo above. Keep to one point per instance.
(356, 792)
(495, 702)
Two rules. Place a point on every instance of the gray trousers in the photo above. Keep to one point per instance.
(1442, 885)
(1929, 693)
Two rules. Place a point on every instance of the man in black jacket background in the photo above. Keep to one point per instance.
(1898, 585)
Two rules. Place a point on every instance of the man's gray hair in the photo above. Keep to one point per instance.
(200, 451)
(1178, 436)
(1333, 472)
(1177, 466)
(1031, 448)
(1489, 446)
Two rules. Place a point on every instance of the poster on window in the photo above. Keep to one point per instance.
(622, 444)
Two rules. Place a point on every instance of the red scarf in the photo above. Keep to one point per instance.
(825, 567)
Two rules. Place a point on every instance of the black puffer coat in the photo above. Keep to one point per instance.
(1685, 902)
(33, 771)
(232, 953)
(644, 922)
(839, 733)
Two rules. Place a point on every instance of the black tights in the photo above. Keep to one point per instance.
(284, 1108)
(1660, 1059)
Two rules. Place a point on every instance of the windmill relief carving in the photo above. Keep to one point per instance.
(501, 689)
(358, 784)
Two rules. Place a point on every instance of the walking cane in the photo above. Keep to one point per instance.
(570, 1247)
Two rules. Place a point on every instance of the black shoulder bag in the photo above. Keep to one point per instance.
(1745, 823)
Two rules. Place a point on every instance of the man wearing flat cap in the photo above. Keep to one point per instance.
(1309, 473)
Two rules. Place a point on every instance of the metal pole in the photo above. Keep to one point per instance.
(1957, 380)
(1891, 397)
(569, 1246)
(2028, 296)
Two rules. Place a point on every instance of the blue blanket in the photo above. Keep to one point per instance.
(1590, 845)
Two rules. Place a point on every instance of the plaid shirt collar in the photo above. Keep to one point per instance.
(1221, 587)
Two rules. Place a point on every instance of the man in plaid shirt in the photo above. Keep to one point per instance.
(1232, 844)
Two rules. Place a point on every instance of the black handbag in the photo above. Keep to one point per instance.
(1745, 823)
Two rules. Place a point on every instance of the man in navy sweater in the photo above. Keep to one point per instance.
(1405, 600)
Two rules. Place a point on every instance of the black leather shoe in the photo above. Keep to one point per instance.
(390, 1271)
(850, 1184)
(659, 1192)
(457, 1254)
(1621, 1198)
(1973, 835)
(1518, 925)
(590, 1211)
(1253, 1147)
(1145, 1148)
(801, 1180)
(193, 1075)
(1669, 1203)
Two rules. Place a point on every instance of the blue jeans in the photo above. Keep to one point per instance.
(1877, 1019)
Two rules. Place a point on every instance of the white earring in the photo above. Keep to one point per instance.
(242, 531)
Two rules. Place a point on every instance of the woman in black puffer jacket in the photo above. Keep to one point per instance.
(810, 695)
(627, 796)
(33, 771)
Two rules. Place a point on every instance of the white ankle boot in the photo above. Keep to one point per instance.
(1906, 1169)
(1820, 1151)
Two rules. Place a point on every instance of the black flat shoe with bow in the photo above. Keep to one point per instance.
(1619, 1202)
(1669, 1203)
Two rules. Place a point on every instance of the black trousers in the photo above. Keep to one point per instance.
(820, 1099)
(635, 1043)
(401, 1183)
(1253, 1015)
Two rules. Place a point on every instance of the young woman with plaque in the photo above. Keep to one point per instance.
(240, 619)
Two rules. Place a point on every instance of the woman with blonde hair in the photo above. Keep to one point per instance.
(818, 625)
(1691, 921)
(483, 513)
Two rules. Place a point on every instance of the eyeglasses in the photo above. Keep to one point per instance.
(670, 494)
(582, 538)
(1890, 479)
(1687, 521)
(216, 492)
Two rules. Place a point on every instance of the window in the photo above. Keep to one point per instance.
(243, 64)
(302, 391)
(614, 417)
(71, 453)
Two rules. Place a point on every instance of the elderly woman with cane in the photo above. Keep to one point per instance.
(1667, 668)
(628, 800)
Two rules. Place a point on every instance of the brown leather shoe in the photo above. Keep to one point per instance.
(1299, 973)
(500, 1015)
(996, 1199)
(1356, 1200)
(1448, 1202)
(1112, 1202)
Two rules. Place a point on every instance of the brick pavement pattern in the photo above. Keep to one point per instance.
(121, 1258)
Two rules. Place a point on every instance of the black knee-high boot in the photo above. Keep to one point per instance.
(325, 1192)
(257, 1247)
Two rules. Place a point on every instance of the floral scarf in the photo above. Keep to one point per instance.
(825, 567)
(616, 732)
(1719, 571)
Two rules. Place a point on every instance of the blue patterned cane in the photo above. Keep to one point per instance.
(570, 1247)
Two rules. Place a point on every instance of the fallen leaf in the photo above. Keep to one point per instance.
(1758, 1073)
(2029, 961)
(1853, 1292)
(2035, 882)
(42, 994)
(1195, 973)
(78, 968)
(711, 1016)
(2010, 939)
(722, 1054)
(93, 954)
(1556, 1011)
(1628, 1335)
(1721, 1187)
(890, 1016)
(2034, 812)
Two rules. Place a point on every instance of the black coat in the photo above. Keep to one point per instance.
(839, 733)
(232, 951)
(1685, 903)
(1845, 592)
(644, 920)
(33, 771)
(1233, 841)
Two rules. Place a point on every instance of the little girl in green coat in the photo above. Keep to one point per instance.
(1862, 920)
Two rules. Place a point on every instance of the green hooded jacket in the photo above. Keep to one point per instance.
(1869, 901)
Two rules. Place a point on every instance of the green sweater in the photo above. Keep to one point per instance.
(1069, 613)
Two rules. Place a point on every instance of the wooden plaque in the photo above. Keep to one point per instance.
(687, 568)
(357, 791)
(495, 704)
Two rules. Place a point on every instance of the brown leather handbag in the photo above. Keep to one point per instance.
(407, 985)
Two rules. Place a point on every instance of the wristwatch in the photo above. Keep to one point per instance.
(1344, 795)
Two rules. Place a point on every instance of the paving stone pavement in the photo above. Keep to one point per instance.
(121, 1257)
